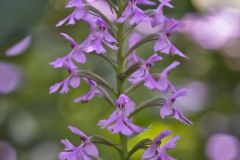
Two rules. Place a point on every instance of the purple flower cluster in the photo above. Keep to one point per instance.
(107, 34)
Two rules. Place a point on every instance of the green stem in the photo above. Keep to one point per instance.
(124, 153)
(120, 60)
(120, 85)
(120, 81)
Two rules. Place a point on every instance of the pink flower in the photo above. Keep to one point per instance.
(143, 73)
(158, 18)
(72, 80)
(85, 151)
(98, 37)
(118, 122)
(94, 91)
(76, 54)
(163, 44)
(169, 110)
(163, 84)
(78, 13)
(158, 152)
(134, 14)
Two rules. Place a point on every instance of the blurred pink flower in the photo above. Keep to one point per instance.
(19, 47)
(214, 30)
(223, 147)
(197, 98)
(7, 152)
(10, 77)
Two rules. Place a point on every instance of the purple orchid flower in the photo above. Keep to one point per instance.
(72, 80)
(158, 18)
(94, 91)
(134, 14)
(98, 37)
(163, 84)
(85, 151)
(10, 79)
(163, 44)
(118, 122)
(143, 73)
(169, 110)
(157, 152)
(78, 13)
(166, 3)
(133, 58)
(76, 54)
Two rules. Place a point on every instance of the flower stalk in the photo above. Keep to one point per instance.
(120, 36)
(120, 81)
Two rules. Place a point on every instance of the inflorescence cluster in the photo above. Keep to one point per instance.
(131, 70)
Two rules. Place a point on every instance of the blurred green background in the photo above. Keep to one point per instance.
(32, 121)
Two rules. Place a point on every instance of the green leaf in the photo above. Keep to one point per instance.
(123, 76)
(104, 141)
(133, 87)
(107, 59)
(157, 101)
(94, 158)
(143, 144)
(107, 96)
(100, 81)
(112, 6)
(147, 39)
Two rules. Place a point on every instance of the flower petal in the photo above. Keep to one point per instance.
(74, 81)
(78, 132)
